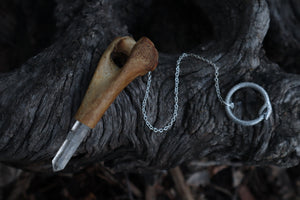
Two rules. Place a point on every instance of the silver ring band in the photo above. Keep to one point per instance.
(267, 106)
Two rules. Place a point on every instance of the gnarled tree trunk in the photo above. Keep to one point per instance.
(39, 99)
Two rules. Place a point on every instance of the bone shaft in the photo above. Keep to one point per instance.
(102, 103)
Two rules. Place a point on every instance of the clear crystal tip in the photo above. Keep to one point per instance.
(70, 145)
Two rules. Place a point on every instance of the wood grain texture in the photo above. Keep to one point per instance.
(38, 100)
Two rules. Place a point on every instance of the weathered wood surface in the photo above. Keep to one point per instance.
(39, 99)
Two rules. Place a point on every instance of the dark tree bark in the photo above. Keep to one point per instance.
(283, 38)
(39, 99)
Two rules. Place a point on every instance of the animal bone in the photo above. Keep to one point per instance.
(109, 80)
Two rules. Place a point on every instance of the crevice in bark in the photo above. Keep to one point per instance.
(27, 27)
(192, 25)
(283, 38)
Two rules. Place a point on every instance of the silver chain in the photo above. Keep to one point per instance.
(216, 79)
(175, 112)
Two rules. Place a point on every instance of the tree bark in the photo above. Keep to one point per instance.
(283, 38)
(39, 99)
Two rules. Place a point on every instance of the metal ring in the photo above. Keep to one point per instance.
(267, 105)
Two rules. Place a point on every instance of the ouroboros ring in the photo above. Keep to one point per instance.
(264, 112)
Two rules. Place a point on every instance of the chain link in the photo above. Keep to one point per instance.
(175, 112)
(216, 79)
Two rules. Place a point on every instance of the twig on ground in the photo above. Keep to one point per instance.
(150, 192)
(181, 187)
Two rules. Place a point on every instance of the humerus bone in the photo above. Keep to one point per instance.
(109, 80)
